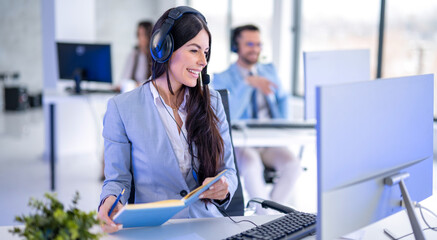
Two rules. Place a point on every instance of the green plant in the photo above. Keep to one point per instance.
(50, 221)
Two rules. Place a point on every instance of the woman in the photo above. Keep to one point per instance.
(138, 65)
(171, 132)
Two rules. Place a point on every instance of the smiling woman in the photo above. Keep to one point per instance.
(188, 61)
(170, 135)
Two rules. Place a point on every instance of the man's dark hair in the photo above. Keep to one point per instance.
(236, 32)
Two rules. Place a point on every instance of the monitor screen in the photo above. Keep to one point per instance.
(90, 62)
(366, 133)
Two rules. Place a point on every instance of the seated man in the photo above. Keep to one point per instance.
(255, 93)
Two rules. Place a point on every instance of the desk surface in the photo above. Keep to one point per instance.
(220, 228)
(201, 228)
(272, 137)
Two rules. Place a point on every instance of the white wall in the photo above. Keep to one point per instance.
(109, 21)
(75, 20)
(20, 40)
(116, 23)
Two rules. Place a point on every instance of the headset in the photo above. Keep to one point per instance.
(234, 43)
(162, 43)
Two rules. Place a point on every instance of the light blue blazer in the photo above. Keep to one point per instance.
(240, 93)
(135, 135)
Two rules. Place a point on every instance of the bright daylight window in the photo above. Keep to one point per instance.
(216, 15)
(410, 41)
(339, 25)
(259, 13)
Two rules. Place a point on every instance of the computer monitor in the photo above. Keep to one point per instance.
(332, 67)
(366, 133)
(80, 61)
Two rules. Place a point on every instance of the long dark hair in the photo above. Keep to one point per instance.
(147, 25)
(201, 122)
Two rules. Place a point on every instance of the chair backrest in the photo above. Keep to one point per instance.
(236, 206)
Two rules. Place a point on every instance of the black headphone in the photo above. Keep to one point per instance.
(234, 43)
(162, 43)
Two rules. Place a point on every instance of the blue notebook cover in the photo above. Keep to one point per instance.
(157, 213)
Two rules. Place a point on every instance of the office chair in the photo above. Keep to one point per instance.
(270, 173)
(236, 206)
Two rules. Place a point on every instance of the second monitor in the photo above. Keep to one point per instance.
(332, 67)
(80, 61)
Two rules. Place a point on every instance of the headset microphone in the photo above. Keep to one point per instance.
(204, 77)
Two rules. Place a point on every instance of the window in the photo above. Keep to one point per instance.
(410, 41)
(336, 25)
(216, 14)
(259, 13)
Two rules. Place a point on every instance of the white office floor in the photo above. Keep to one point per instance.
(24, 173)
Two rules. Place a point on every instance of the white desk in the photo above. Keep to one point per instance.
(206, 228)
(220, 228)
(73, 125)
(399, 224)
(78, 122)
(272, 137)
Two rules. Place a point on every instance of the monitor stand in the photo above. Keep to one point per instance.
(399, 179)
(78, 76)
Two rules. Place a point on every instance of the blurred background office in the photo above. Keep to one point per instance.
(401, 36)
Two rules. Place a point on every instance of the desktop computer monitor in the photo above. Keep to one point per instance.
(80, 61)
(368, 132)
(332, 67)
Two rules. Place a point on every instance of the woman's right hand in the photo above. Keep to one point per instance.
(108, 225)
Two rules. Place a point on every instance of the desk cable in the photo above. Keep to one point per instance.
(390, 234)
(227, 215)
(423, 217)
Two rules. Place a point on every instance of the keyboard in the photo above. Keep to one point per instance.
(294, 225)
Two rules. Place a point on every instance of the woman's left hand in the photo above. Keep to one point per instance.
(217, 191)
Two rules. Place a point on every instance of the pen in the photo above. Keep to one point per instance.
(116, 201)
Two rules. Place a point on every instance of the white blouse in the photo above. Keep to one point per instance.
(178, 140)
